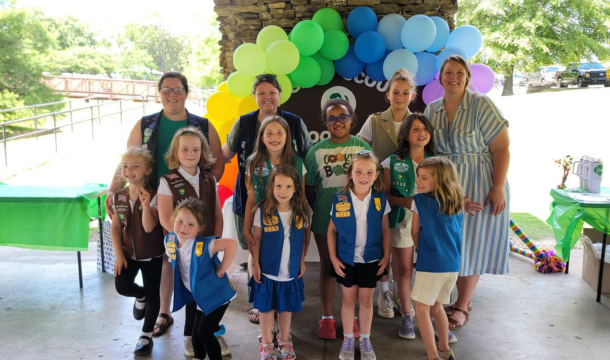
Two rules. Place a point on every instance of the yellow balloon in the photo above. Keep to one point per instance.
(247, 105)
(224, 129)
(222, 106)
(222, 86)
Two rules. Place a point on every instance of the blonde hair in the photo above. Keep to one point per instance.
(460, 60)
(404, 75)
(364, 155)
(171, 157)
(195, 206)
(145, 154)
(259, 156)
(447, 189)
(298, 203)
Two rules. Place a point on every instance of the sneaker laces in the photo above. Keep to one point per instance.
(386, 300)
(408, 320)
(365, 345)
(348, 344)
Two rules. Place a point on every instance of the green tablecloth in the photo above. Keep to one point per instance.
(47, 217)
(568, 216)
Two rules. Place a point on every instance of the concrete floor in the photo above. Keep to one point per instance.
(44, 315)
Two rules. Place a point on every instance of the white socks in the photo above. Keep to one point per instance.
(384, 286)
(326, 317)
(141, 303)
(144, 341)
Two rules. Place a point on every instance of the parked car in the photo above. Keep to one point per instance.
(583, 75)
(519, 79)
(545, 75)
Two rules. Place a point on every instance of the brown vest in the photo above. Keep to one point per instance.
(384, 138)
(182, 189)
(134, 237)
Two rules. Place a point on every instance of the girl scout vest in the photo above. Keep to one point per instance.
(133, 236)
(402, 175)
(345, 222)
(261, 174)
(182, 189)
(273, 244)
(384, 139)
(208, 290)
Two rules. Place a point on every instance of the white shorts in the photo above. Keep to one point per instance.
(430, 287)
(401, 234)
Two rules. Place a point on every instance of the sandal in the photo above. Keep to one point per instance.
(162, 327)
(453, 323)
(449, 309)
(253, 316)
(327, 329)
(287, 354)
(265, 355)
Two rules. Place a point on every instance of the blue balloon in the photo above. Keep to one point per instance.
(466, 37)
(375, 70)
(448, 52)
(369, 47)
(399, 59)
(442, 33)
(349, 66)
(389, 27)
(418, 33)
(361, 20)
(426, 68)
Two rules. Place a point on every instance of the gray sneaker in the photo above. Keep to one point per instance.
(188, 346)
(347, 349)
(385, 305)
(407, 327)
(452, 337)
(224, 347)
(446, 355)
(366, 349)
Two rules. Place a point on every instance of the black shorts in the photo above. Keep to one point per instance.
(363, 275)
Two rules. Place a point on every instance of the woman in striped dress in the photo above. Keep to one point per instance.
(471, 132)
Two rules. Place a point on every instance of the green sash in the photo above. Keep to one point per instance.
(402, 175)
(261, 174)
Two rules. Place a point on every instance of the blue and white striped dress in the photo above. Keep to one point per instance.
(465, 141)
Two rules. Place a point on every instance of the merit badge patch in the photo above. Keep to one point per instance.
(122, 198)
(342, 197)
(270, 220)
(181, 191)
(343, 206)
(171, 247)
(378, 204)
(172, 176)
(199, 249)
(341, 214)
(271, 228)
(299, 222)
(401, 167)
(121, 216)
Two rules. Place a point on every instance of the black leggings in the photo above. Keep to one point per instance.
(189, 321)
(151, 277)
(204, 341)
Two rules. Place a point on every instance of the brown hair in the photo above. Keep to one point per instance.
(447, 189)
(404, 75)
(195, 206)
(364, 155)
(405, 129)
(298, 203)
(146, 155)
(171, 157)
(460, 60)
(274, 82)
(259, 156)
(339, 102)
(175, 75)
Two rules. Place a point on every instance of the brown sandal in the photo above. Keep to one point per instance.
(449, 309)
(162, 327)
(453, 323)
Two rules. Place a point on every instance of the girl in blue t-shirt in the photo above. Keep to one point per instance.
(437, 234)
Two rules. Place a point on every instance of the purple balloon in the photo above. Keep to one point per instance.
(433, 91)
(483, 78)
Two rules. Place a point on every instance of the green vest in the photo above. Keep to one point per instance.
(402, 175)
(261, 174)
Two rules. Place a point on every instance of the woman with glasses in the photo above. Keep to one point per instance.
(155, 132)
(242, 139)
(326, 165)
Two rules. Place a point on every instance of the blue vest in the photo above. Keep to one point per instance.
(149, 126)
(440, 237)
(246, 141)
(345, 222)
(273, 245)
(208, 290)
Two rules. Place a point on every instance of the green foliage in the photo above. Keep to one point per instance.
(136, 64)
(69, 32)
(527, 34)
(204, 69)
(82, 60)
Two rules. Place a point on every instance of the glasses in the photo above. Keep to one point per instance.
(177, 91)
(263, 77)
(343, 119)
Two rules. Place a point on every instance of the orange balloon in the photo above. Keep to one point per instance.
(230, 175)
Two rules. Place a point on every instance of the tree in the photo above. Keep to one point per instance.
(526, 34)
(204, 69)
(69, 32)
(82, 60)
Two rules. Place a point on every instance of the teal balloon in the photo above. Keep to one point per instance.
(399, 59)
(307, 74)
(250, 59)
(328, 19)
(390, 27)
(268, 35)
(308, 37)
(442, 33)
(418, 33)
(468, 38)
(426, 68)
(327, 68)
(440, 59)
(282, 57)
(335, 45)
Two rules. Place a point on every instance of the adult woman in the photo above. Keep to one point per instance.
(155, 132)
(242, 138)
(472, 133)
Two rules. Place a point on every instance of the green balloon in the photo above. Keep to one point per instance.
(240, 85)
(250, 59)
(308, 37)
(286, 86)
(329, 19)
(335, 45)
(282, 57)
(268, 35)
(327, 69)
(307, 74)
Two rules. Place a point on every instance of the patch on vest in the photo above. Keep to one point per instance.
(199, 249)
(378, 204)
(270, 220)
(342, 214)
(171, 247)
(343, 206)
(181, 191)
(401, 167)
(121, 217)
(299, 222)
(271, 228)
(172, 176)
(261, 171)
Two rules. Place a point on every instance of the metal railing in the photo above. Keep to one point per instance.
(54, 115)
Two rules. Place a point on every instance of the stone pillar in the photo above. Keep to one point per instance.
(241, 20)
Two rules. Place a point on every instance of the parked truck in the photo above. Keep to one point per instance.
(583, 75)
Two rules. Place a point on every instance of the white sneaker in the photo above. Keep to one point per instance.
(188, 346)
(385, 305)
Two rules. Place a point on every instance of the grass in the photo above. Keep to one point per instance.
(533, 227)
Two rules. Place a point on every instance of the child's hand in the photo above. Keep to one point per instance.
(338, 266)
(220, 272)
(302, 271)
(471, 207)
(119, 264)
(382, 264)
(256, 274)
(144, 197)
